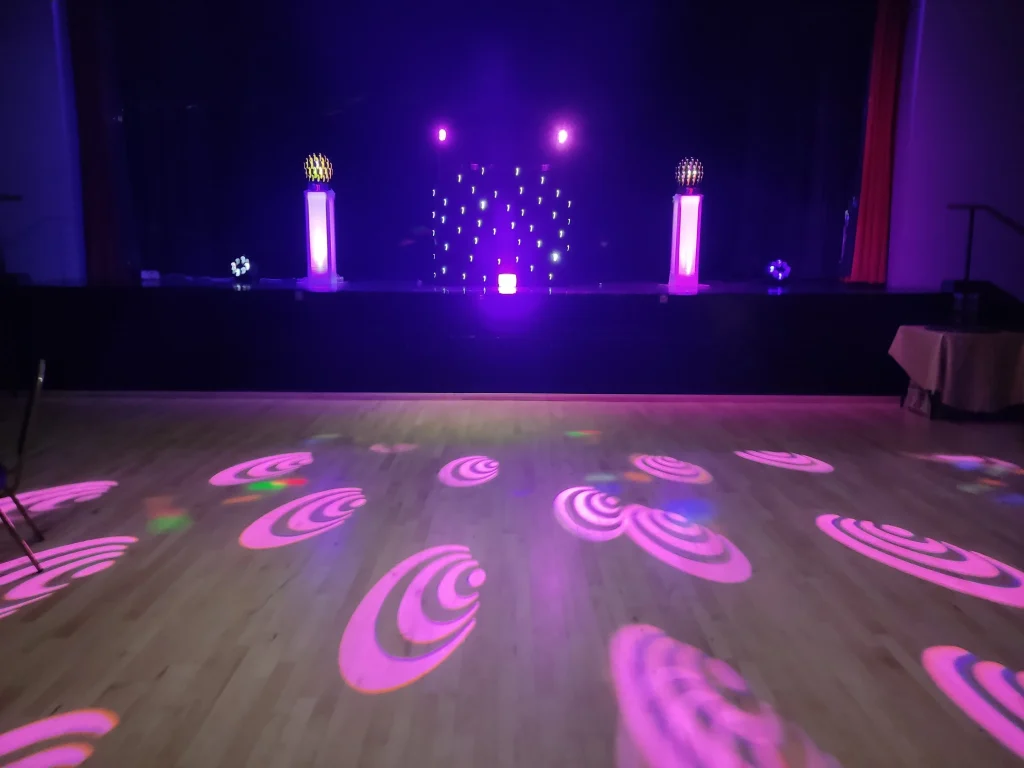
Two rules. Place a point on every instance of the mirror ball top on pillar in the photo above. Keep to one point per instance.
(321, 259)
(686, 210)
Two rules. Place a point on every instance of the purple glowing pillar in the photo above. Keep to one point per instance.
(321, 258)
(683, 277)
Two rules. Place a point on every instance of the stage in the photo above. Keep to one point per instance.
(213, 335)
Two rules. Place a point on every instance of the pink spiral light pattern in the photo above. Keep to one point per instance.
(24, 585)
(32, 745)
(984, 463)
(396, 448)
(302, 518)
(680, 707)
(671, 469)
(687, 546)
(987, 692)
(265, 468)
(939, 562)
(786, 460)
(437, 591)
(468, 471)
(590, 514)
(48, 499)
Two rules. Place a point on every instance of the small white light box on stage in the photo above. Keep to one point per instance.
(686, 210)
(321, 258)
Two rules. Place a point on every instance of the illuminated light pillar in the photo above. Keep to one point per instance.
(321, 257)
(686, 209)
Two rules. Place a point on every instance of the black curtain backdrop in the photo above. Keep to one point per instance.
(223, 100)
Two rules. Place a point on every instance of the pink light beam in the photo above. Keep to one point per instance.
(445, 580)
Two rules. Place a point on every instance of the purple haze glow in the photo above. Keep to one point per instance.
(785, 460)
(946, 565)
(367, 667)
(69, 725)
(670, 537)
(468, 471)
(987, 692)
(680, 707)
(262, 469)
(24, 585)
(671, 469)
(48, 499)
(302, 518)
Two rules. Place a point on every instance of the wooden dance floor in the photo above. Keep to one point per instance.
(326, 582)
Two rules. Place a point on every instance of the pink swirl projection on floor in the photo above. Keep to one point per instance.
(785, 460)
(468, 471)
(670, 537)
(48, 499)
(987, 692)
(262, 469)
(686, 546)
(302, 518)
(396, 448)
(968, 462)
(971, 573)
(590, 514)
(680, 707)
(33, 745)
(668, 468)
(24, 585)
(437, 595)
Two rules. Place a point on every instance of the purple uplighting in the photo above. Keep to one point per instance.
(31, 746)
(563, 136)
(48, 499)
(785, 460)
(264, 468)
(302, 518)
(987, 692)
(442, 134)
(468, 471)
(436, 613)
(681, 707)
(970, 573)
(24, 585)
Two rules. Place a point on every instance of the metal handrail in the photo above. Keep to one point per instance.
(998, 215)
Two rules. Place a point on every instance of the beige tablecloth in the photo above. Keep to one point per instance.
(978, 372)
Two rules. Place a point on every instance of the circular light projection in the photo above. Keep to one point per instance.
(318, 169)
(970, 573)
(689, 172)
(468, 471)
(435, 614)
(61, 565)
(264, 468)
(671, 469)
(679, 706)
(302, 519)
(786, 460)
(987, 692)
(48, 499)
(61, 740)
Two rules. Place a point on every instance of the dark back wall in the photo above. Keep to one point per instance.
(222, 100)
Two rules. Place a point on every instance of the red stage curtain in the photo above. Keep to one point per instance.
(871, 248)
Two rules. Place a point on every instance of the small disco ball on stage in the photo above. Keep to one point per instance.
(778, 270)
(243, 271)
(318, 169)
(689, 173)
